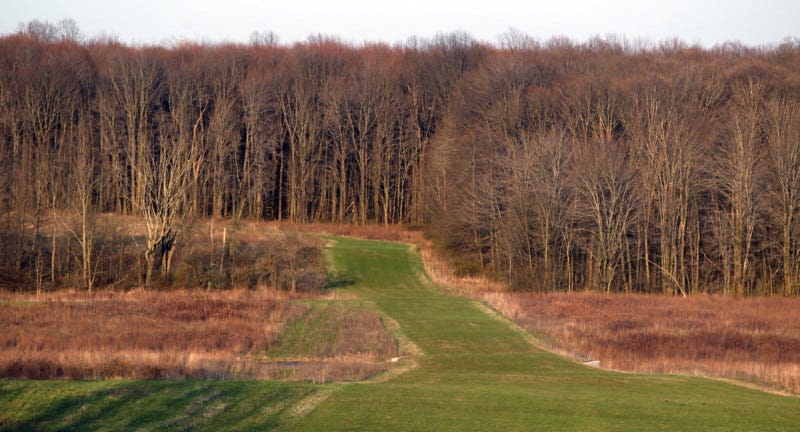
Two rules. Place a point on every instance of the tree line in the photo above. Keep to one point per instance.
(555, 165)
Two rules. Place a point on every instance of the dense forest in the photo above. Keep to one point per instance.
(604, 165)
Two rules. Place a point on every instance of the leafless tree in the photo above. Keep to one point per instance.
(605, 188)
(301, 113)
(783, 159)
(83, 183)
(189, 104)
(665, 136)
(605, 164)
(739, 178)
(135, 82)
(539, 203)
(258, 165)
(166, 175)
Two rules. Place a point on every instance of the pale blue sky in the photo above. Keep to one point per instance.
(154, 21)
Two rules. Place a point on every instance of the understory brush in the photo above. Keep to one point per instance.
(207, 253)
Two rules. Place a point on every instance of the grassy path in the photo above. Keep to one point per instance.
(475, 373)
(478, 374)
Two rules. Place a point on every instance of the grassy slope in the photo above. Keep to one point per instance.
(475, 374)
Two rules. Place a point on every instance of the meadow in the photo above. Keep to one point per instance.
(462, 368)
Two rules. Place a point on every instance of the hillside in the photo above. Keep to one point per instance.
(471, 371)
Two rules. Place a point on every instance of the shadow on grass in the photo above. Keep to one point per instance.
(151, 405)
(339, 280)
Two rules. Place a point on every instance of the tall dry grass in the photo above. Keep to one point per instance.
(139, 334)
(394, 233)
(184, 334)
(755, 340)
(191, 332)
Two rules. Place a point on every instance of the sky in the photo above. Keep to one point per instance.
(707, 22)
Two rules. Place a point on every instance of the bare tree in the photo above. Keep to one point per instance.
(166, 175)
(783, 151)
(83, 185)
(223, 133)
(189, 105)
(340, 148)
(538, 186)
(264, 38)
(258, 165)
(676, 170)
(47, 32)
(606, 191)
(135, 80)
(301, 111)
(738, 178)
(667, 145)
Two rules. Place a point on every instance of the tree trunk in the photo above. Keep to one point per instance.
(149, 259)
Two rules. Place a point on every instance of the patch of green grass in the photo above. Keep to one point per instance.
(146, 405)
(334, 329)
(18, 303)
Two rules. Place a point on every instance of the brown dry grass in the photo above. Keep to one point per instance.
(244, 253)
(394, 233)
(180, 334)
(755, 340)
(138, 334)
(440, 271)
(194, 333)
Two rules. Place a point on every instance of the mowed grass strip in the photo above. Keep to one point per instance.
(475, 373)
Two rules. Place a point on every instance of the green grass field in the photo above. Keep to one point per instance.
(475, 373)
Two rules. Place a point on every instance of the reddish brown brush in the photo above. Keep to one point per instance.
(180, 334)
(749, 339)
(138, 334)
(360, 331)
(395, 233)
